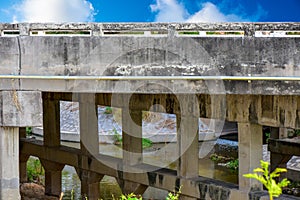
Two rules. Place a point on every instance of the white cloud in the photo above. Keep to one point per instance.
(173, 11)
(54, 11)
(211, 13)
(169, 11)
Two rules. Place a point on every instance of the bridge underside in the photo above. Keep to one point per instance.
(251, 112)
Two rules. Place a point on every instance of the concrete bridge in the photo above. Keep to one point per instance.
(241, 72)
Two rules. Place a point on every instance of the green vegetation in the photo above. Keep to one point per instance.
(11, 32)
(171, 196)
(28, 131)
(231, 163)
(146, 143)
(108, 110)
(293, 33)
(188, 33)
(35, 170)
(268, 135)
(267, 179)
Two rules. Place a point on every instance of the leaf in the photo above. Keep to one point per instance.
(259, 170)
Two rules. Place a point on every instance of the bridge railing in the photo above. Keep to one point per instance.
(153, 29)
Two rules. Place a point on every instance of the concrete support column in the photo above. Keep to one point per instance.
(88, 116)
(132, 136)
(9, 167)
(51, 126)
(250, 153)
(90, 184)
(52, 177)
(23, 168)
(187, 137)
(89, 145)
(132, 148)
(188, 146)
(23, 159)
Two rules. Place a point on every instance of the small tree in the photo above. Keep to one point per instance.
(267, 179)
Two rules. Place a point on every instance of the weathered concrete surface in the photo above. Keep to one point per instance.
(20, 108)
(170, 55)
(9, 159)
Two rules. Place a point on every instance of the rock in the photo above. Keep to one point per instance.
(33, 191)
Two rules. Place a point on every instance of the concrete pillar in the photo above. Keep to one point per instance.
(9, 163)
(18, 109)
(51, 126)
(250, 153)
(132, 148)
(23, 159)
(23, 168)
(52, 177)
(88, 117)
(187, 137)
(51, 121)
(90, 184)
(132, 136)
(89, 145)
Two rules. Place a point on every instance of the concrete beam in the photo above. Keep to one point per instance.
(20, 108)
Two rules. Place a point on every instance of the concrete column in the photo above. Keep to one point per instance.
(132, 136)
(250, 153)
(9, 167)
(132, 148)
(88, 116)
(23, 159)
(23, 168)
(51, 121)
(188, 136)
(90, 184)
(52, 177)
(89, 145)
(51, 126)
(188, 146)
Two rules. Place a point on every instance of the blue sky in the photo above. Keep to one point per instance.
(150, 10)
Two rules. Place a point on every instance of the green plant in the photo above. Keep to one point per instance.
(174, 196)
(116, 137)
(267, 179)
(146, 143)
(233, 164)
(130, 197)
(35, 170)
(297, 132)
(28, 131)
(108, 110)
(268, 135)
